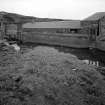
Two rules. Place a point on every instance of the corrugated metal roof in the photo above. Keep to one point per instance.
(54, 24)
(96, 16)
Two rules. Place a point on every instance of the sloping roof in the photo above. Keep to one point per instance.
(96, 16)
(8, 17)
(53, 24)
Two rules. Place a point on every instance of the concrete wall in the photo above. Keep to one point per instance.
(70, 40)
(102, 26)
(87, 25)
(53, 30)
(11, 29)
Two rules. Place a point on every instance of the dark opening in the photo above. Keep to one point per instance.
(98, 30)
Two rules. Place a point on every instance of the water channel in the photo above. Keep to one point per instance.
(95, 57)
(89, 57)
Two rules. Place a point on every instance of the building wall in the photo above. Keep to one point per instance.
(102, 26)
(53, 30)
(70, 40)
(91, 28)
(87, 25)
(13, 31)
(11, 28)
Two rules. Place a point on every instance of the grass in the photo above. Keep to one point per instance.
(43, 76)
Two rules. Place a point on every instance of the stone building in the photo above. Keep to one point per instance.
(94, 26)
(9, 26)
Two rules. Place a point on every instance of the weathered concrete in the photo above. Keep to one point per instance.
(69, 40)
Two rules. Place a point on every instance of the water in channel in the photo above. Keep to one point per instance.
(94, 57)
(87, 56)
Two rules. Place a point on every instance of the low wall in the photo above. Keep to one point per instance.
(100, 45)
(69, 40)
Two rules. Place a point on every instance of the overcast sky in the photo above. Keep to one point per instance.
(65, 9)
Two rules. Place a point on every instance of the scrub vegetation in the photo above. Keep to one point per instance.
(44, 76)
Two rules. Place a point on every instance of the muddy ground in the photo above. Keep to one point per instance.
(43, 76)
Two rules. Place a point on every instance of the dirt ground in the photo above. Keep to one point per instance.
(43, 76)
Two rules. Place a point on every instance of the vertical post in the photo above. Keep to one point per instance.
(2, 29)
(99, 22)
(19, 31)
(89, 33)
(96, 32)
